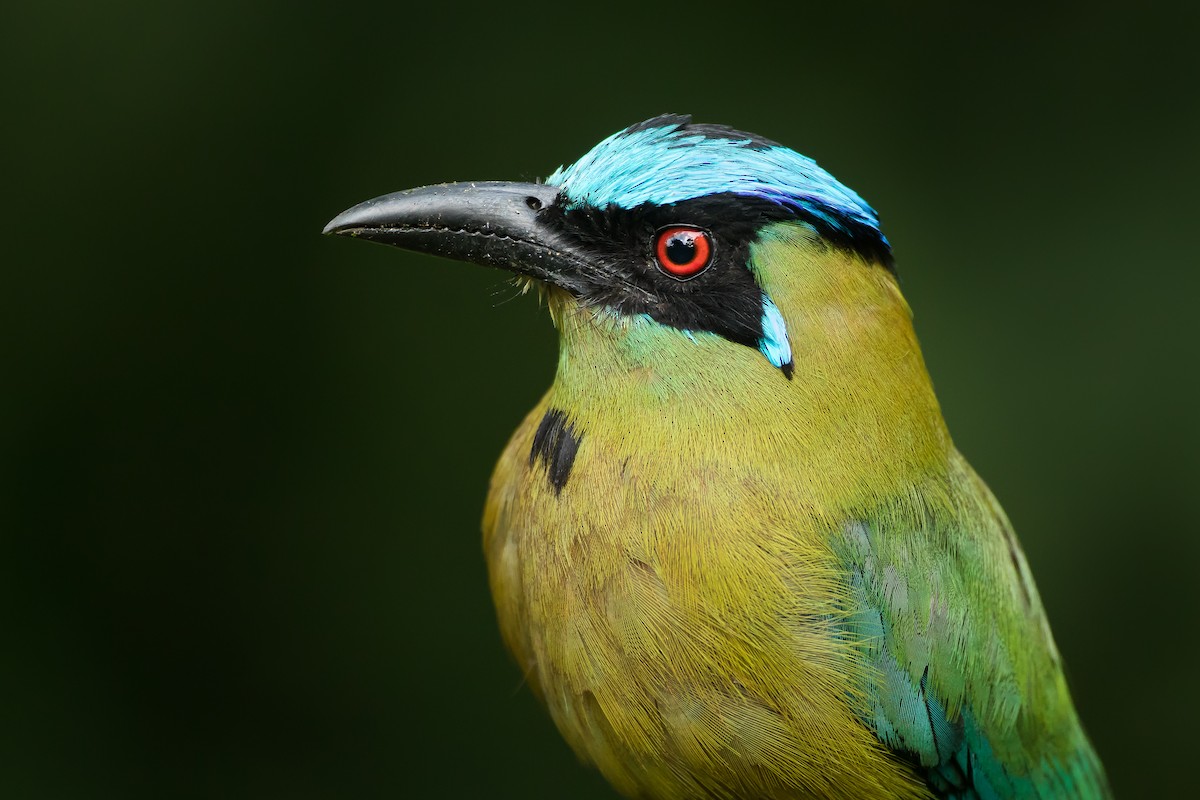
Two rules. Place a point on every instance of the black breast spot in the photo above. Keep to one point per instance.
(556, 443)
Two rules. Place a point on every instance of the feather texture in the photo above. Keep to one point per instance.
(668, 160)
(760, 589)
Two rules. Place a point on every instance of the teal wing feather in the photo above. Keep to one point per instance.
(966, 681)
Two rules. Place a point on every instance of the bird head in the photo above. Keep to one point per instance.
(684, 254)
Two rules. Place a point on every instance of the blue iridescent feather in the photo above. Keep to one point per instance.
(774, 343)
(666, 160)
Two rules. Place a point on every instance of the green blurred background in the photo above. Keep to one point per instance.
(242, 466)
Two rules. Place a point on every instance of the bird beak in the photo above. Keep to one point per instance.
(494, 223)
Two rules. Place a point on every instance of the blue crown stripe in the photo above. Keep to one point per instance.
(669, 164)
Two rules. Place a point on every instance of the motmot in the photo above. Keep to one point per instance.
(733, 548)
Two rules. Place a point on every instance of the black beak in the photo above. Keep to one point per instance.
(494, 223)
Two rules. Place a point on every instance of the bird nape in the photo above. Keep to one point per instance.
(733, 548)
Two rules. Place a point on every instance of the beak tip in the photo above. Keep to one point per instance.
(335, 226)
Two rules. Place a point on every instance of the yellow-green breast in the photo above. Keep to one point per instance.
(676, 600)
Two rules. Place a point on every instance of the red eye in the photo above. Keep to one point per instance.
(682, 252)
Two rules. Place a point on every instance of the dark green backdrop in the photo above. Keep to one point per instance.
(242, 466)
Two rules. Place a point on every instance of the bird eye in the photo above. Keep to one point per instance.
(683, 252)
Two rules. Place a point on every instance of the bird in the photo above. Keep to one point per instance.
(733, 548)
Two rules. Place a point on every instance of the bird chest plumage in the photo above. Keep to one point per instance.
(662, 555)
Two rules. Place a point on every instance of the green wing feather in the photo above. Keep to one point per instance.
(967, 680)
